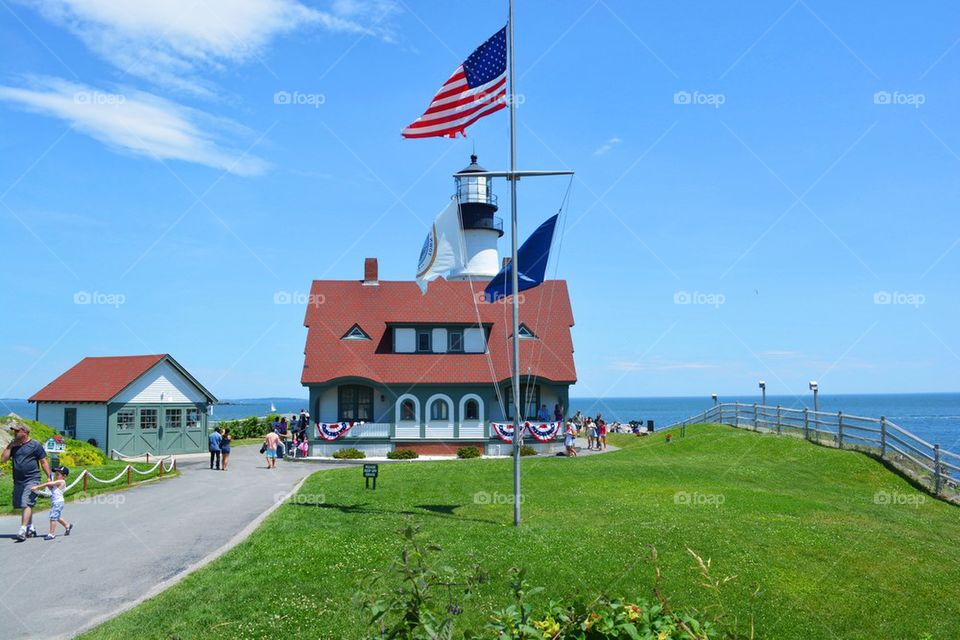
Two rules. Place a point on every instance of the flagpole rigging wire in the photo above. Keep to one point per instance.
(514, 271)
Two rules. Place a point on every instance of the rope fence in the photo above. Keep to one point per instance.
(165, 465)
(931, 466)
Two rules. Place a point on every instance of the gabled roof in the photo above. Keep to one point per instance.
(545, 310)
(100, 379)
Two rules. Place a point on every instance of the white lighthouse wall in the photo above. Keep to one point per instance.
(483, 260)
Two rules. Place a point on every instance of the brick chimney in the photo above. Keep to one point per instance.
(370, 272)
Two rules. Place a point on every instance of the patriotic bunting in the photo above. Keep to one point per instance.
(331, 431)
(503, 431)
(543, 431)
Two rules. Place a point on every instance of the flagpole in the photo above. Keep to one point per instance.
(514, 274)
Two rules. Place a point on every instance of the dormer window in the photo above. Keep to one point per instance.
(355, 333)
(526, 334)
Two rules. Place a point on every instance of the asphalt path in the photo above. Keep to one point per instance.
(132, 544)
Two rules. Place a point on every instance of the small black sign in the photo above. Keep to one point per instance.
(371, 470)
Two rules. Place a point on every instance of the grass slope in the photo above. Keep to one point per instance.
(798, 521)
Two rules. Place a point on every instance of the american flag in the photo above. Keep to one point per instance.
(476, 89)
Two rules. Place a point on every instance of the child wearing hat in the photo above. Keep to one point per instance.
(55, 489)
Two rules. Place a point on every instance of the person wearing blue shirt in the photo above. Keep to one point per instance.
(543, 414)
(215, 439)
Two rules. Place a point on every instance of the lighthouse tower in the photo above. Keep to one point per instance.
(481, 226)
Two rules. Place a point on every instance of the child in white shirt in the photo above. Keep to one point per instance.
(55, 489)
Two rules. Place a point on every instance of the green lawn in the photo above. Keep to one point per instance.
(838, 546)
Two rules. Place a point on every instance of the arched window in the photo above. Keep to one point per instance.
(408, 410)
(439, 410)
(471, 410)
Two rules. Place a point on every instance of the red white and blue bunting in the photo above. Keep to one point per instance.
(503, 431)
(541, 431)
(331, 431)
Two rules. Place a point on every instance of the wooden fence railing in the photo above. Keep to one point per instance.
(935, 468)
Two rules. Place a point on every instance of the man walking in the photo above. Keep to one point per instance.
(27, 455)
(215, 439)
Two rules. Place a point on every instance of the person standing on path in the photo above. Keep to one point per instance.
(215, 439)
(54, 489)
(225, 440)
(569, 439)
(270, 443)
(28, 456)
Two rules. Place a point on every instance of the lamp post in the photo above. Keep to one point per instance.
(763, 393)
(816, 391)
(714, 396)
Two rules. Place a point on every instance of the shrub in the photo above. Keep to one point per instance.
(78, 453)
(403, 454)
(469, 452)
(350, 453)
(527, 450)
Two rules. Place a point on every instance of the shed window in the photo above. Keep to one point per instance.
(356, 403)
(193, 418)
(70, 422)
(439, 410)
(148, 419)
(173, 418)
(471, 410)
(126, 419)
(408, 411)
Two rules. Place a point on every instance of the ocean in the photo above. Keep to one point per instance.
(935, 417)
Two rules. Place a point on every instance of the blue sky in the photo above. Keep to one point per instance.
(765, 190)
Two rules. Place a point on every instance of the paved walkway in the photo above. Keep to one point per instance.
(131, 543)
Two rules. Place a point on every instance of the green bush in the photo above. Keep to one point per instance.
(527, 450)
(350, 453)
(403, 454)
(78, 453)
(469, 452)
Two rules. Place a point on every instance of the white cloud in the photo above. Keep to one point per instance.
(661, 365)
(607, 146)
(138, 122)
(171, 41)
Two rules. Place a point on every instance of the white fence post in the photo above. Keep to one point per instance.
(840, 429)
(806, 423)
(756, 421)
(736, 414)
(779, 426)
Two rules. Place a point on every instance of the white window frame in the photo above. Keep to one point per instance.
(416, 409)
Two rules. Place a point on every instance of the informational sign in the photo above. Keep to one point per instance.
(370, 471)
(54, 446)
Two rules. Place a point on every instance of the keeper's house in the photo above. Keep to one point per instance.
(430, 372)
(133, 404)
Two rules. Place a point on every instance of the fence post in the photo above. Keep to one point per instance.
(840, 429)
(756, 420)
(779, 425)
(704, 417)
(174, 464)
(736, 414)
(129, 478)
(883, 437)
(806, 423)
(85, 480)
(161, 467)
(147, 454)
(937, 470)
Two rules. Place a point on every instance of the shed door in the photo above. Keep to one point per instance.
(148, 428)
(171, 430)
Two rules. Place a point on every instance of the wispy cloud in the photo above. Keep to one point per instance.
(138, 122)
(661, 365)
(782, 354)
(171, 42)
(607, 146)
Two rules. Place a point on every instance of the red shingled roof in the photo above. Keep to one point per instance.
(545, 310)
(96, 379)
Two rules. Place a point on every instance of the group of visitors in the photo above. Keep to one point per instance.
(220, 449)
(287, 438)
(594, 428)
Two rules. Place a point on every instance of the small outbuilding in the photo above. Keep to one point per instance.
(131, 404)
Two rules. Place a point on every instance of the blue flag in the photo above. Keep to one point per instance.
(532, 257)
